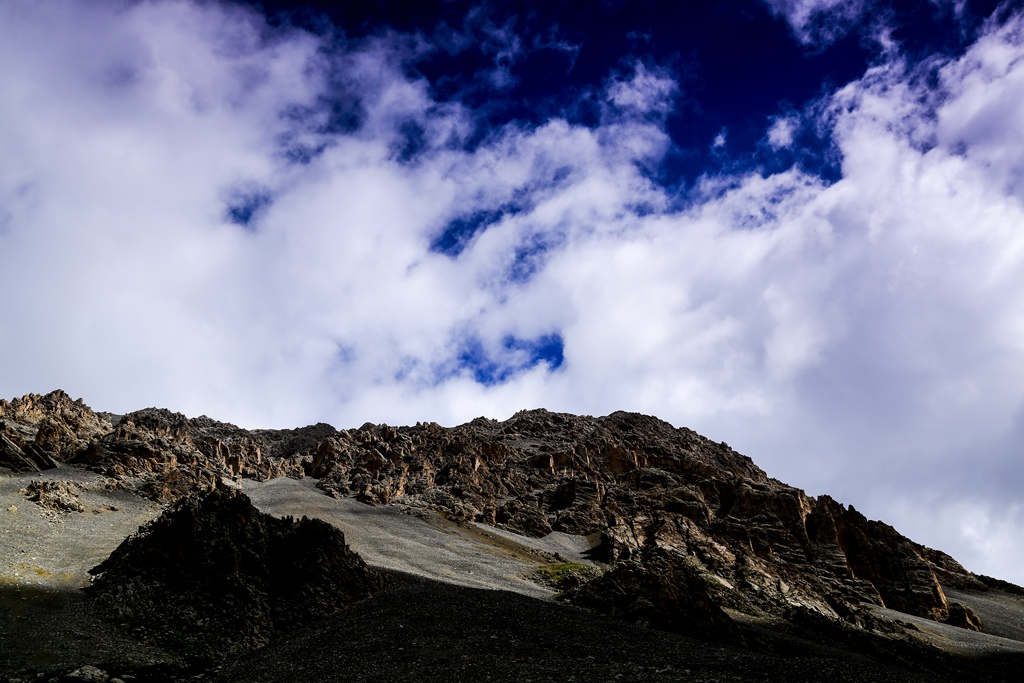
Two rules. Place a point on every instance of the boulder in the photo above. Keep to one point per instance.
(962, 616)
(58, 496)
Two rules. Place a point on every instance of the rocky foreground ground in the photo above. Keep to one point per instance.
(546, 547)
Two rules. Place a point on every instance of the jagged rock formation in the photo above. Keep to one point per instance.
(632, 481)
(213, 576)
(639, 482)
(173, 455)
(38, 431)
(167, 454)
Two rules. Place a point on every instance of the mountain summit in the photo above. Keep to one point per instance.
(677, 532)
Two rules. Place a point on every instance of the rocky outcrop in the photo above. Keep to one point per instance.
(37, 432)
(213, 576)
(634, 481)
(173, 455)
(159, 453)
(163, 450)
(878, 555)
(57, 496)
(959, 614)
(641, 483)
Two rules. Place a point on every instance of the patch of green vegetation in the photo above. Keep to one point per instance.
(565, 576)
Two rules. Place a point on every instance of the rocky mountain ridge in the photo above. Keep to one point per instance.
(635, 485)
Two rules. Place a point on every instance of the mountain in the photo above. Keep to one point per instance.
(681, 534)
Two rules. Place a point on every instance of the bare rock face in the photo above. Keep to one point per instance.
(878, 554)
(641, 483)
(173, 455)
(213, 576)
(37, 432)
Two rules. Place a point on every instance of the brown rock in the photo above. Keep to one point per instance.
(37, 432)
(58, 496)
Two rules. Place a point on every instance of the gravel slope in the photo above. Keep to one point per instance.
(46, 622)
(416, 542)
(955, 640)
(44, 548)
(1001, 614)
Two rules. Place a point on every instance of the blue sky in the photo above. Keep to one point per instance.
(793, 225)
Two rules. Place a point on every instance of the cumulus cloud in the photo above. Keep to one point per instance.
(206, 213)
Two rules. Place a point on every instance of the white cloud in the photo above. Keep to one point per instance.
(987, 534)
(780, 133)
(818, 21)
(859, 338)
(986, 89)
(646, 92)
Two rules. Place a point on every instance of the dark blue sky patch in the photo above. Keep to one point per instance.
(531, 254)
(641, 209)
(345, 114)
(346, 353)
(811, 152)
(299, 152)
(561, 174)
(474, 358)
(457, 235)
(245, 205)
(407, 367)
(924, 29)
(736, 63)
(548, 348)
(412, 139)
(513, 357)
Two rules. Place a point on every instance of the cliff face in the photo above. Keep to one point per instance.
(634, 484)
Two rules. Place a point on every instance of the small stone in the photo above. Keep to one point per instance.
(13, 508)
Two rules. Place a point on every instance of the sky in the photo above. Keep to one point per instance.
(796, 226)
